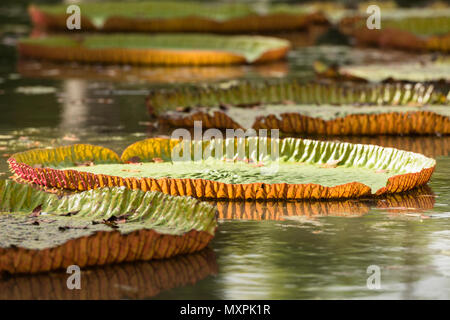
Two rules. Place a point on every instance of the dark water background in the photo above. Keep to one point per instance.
(317, 252)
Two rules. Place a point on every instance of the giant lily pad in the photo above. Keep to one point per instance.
(304, 169)
(416, 29)
(174, 16)
(321, 109)
(165, 49)
(96, 227)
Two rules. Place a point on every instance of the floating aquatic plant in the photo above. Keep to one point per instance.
(424, 29)
(185, 16)
(43, 231)
(306, 169)
(311, 108)
(159, 49)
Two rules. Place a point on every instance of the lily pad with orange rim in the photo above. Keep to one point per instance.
(307, 108)
(424, 29)
(304, 169)
(42, 231)
(181, 16)
(158, 49)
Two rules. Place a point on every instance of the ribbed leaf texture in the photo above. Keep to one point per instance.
(436, 72)
(254, 93)
(424, 29)
(413, 169)
(82, 228)
(424, 21)
(175, 16)
(169, 105)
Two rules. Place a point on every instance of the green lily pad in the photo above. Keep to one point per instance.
(240, 172)
(419, 21)
(178, 15)
(156, 49)
(311, 108)
(40, 224)
(414, 29)
(234, 169)
(254, 93)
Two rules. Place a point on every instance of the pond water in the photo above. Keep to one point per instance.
(261, 251)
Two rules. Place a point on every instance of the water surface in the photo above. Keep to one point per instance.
(261, 251)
